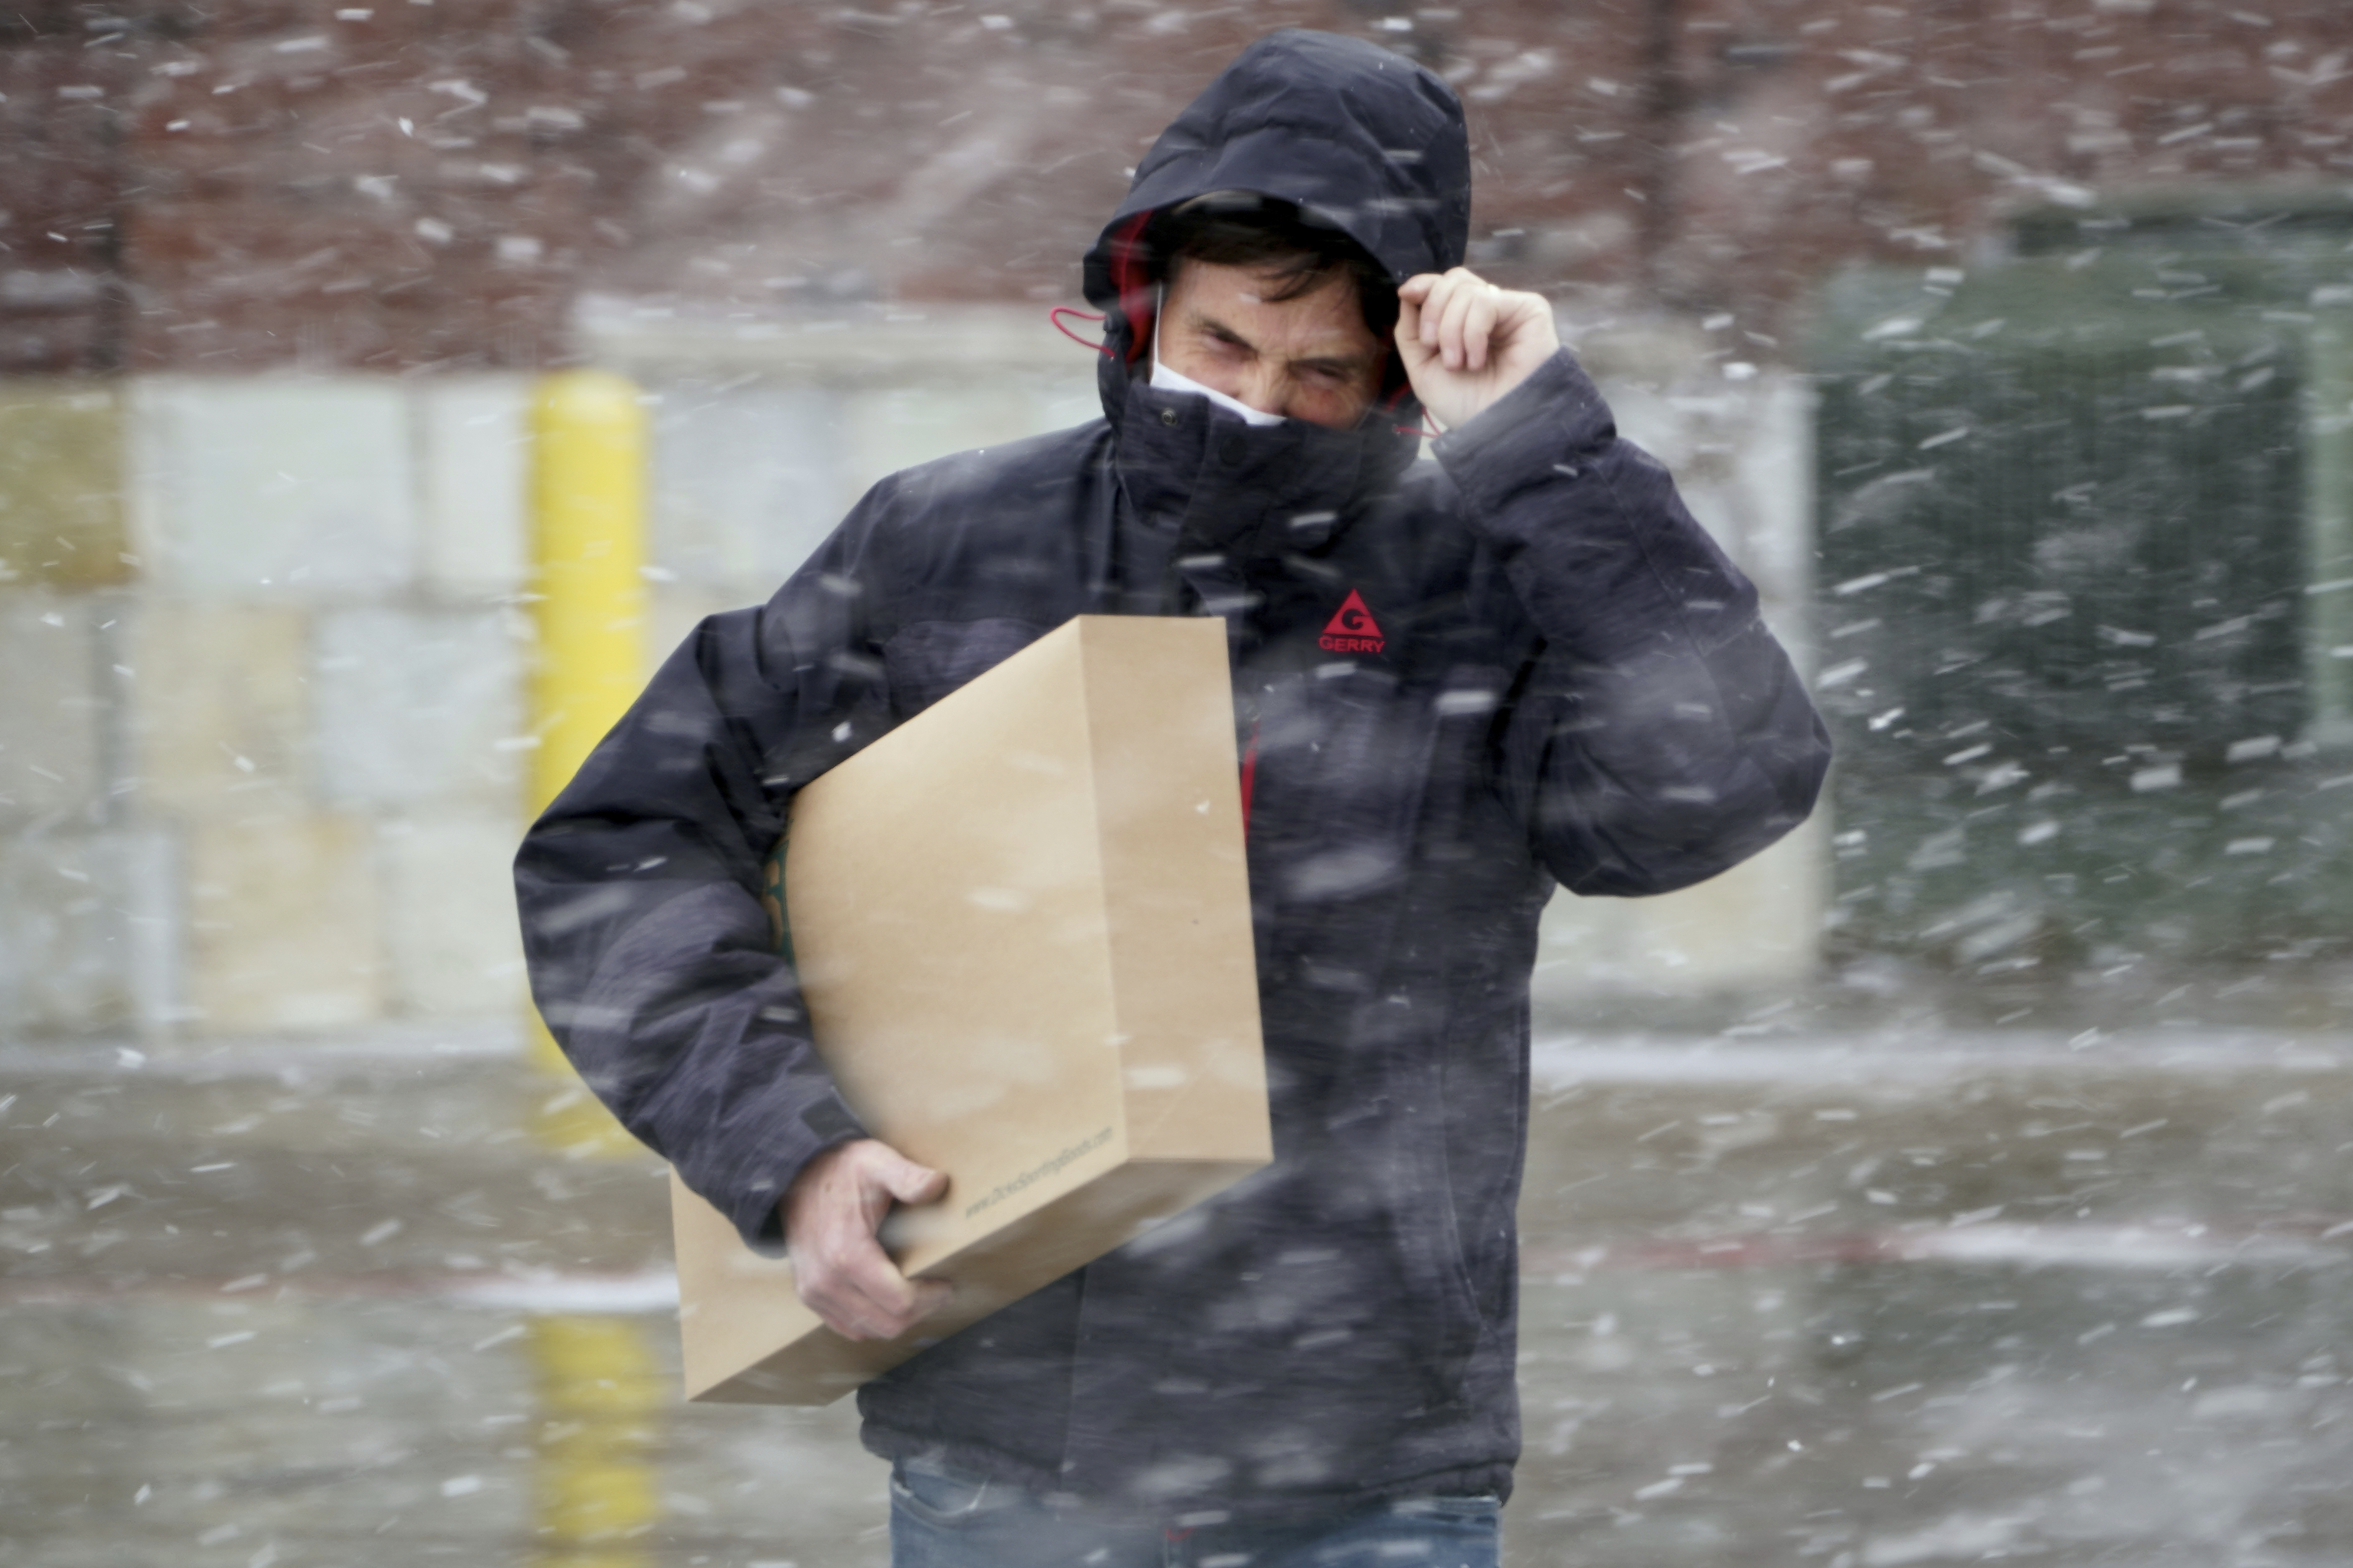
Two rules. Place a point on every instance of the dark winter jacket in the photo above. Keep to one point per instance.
(1462, 679)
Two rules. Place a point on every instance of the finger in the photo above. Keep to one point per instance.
(1414, 290)
(843, 1314)
(1526, 319)
(912, 1184)
(1407, 337)
(837, 1306)
(1433, 311)
(836, 1259)
(878, 1296)
(1449, 321)
(818, 1281)
(1478, 329)
(859, 1293)
(892, 1304)
(1451, 333)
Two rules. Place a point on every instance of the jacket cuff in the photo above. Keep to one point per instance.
(1524, 435)
(755, 1194)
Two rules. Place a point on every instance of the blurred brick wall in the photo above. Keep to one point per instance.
(400, 185)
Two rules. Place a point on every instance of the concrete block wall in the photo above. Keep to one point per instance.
(765, 436)
(261, 652)
(71, 896)
(245, 722)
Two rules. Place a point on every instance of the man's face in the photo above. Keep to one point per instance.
(1309, 357)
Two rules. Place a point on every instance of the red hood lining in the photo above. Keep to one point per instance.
(1132, 283)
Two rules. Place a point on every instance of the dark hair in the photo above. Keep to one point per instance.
(1275, 239)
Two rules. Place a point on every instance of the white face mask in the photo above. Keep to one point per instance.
(1168, 380)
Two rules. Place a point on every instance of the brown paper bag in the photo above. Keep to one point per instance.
(1022, 926)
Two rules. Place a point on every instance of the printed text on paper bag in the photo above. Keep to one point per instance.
(1004, 1189)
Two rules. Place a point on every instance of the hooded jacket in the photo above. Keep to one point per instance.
(1465, 679)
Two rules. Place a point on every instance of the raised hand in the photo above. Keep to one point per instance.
(1466, 342)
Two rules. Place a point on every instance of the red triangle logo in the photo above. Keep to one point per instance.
(1352, 619)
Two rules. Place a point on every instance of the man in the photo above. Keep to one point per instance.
(1455, 683)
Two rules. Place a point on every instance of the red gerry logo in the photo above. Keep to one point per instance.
(1351, 628)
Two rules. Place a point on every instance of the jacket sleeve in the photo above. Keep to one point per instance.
(647, 945)
(1658, 734)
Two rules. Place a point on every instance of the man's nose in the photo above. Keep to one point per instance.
(1266, 390)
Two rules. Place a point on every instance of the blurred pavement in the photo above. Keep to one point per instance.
(1857, 1298)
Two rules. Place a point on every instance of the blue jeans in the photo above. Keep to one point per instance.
(945, 1521)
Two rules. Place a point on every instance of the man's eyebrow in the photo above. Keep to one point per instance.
(1343, 364)
(1208, 323)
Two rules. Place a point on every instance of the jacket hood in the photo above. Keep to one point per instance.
(1352, 134)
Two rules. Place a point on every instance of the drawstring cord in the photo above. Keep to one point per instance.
(1059, 311)
(1399, 396)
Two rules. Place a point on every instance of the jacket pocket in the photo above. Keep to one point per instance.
(1429, 1242)
(941, 1497)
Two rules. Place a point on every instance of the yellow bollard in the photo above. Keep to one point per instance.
(588, 553)
(594, 1497)
(587, 602)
